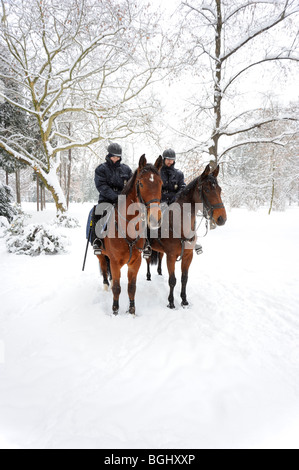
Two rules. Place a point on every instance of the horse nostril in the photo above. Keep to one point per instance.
(221, 221)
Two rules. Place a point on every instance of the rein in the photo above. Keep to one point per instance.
(155, 202)
(208, 212)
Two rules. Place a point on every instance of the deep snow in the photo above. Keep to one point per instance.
(222, 374)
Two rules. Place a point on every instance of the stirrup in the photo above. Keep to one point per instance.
(97, 247)
(147, 252)
(198, 250)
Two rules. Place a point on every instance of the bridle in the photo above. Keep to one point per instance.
(155, 202)
(208, 208)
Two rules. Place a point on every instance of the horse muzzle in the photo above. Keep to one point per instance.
(154, 218)
(221, 221)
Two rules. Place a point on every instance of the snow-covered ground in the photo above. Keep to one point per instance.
(223, 374)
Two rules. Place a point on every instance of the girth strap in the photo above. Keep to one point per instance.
(131, 244)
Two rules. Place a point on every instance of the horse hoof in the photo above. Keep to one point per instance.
(115, 312)
(160, 273)
(132, 311)
(185, 304)
(171, 306)
(106, 287)
(149, 279)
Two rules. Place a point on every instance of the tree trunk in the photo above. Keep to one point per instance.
(41, 198)
(273, 184)
(18, 187)
(214, 150)
(6, 178)
(69, 173)
(44, 197)
(37, 192)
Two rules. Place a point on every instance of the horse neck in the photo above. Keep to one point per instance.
(188, 199)
(131, 198)
(122, 209)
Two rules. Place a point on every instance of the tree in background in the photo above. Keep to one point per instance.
(13, 121)
(6, 198)
(262, 175)
(227, 41)
(80, 61)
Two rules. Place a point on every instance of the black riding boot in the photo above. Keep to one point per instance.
(198, 249)
(97, 246)
(147, 251)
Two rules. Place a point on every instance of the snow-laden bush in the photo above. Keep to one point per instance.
(35, 240)
(66, 221)
(4, 226)
(17, 224)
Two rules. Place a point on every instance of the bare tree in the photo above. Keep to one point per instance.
(79, 60)
(264, 175)
(228, 39)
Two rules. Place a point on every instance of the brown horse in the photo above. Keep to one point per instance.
(123, 245)
(203, 190)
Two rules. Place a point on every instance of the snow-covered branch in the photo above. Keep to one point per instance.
(244, 6)
(257, 125)
(279, 58)
(287, 12)
(201, 11)
(278, 140)
(20, 153)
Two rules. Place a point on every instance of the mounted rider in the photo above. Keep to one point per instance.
(110, 179)
(173, 179)
(173, 183)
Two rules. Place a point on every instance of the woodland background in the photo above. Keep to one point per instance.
(215, 80)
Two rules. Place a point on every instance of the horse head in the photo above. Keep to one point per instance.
(210, 196)
(149, 190)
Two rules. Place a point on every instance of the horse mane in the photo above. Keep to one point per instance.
(186, 191)
(131, 183)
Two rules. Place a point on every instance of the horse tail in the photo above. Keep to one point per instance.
(154, 259)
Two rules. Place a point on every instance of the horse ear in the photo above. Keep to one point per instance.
(216, 172)
(159, 163)
(206, 172)
(142, 162)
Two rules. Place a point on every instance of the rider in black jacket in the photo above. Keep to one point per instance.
(110, 179)
(112, 176)
(173, 179)
(173, 183)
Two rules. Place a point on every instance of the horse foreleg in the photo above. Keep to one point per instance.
(186, 262)
(171, 260)
(148, 275)
(133, 269)
(160, 264)
(116, 289)
(104, 270)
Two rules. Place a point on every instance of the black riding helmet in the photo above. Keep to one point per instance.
(115, 150)
(169, 154)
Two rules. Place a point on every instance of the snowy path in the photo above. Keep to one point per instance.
(224, 373)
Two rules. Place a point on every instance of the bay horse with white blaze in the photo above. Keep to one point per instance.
(175, 244)
(121, 246)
